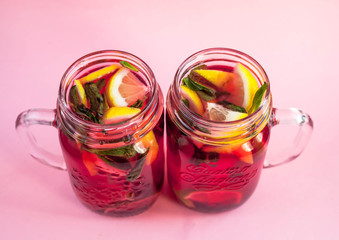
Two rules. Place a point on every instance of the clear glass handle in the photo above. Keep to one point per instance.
(292, 116)
(38, 117)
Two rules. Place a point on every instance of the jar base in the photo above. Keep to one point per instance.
(210, 207)
(132, 209)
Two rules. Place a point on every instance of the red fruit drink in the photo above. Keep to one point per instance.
(112, 140)
(217, 131)
(105, 188)
(209, 179)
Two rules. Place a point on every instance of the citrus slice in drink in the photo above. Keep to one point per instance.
(148, 142)
(243, 151)
(99, 73)
(93, 164)
(212, 198)
(119, 114)
(90, 161)
(216, 112)
(124, 89)
(242, 87)
(194, 102)
(216, 77)
(81, 92)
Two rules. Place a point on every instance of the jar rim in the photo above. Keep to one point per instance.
(130, 124)
(258, 117)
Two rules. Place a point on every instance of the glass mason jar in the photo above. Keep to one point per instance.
(215, 166)
(115, 169)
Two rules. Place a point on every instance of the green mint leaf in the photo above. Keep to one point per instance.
(100, 84)
(126, 152)
(192, 84)
(96, 100)
(137, 169)
(257, 98)
(200, 156)
(116, 162)
(206, 95)
(73, 96)
(86, 113)
(105, 104)
(204, 92)
(138, 104)
(202, 129)
(80, 109)
(186, 102)
(115, 157)
(200, 67)
(232, 106)
(213, 157)
(101, 108)
(193, 125)
(128, 65)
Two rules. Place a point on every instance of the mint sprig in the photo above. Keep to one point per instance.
(96, 100)
(128, 65)
(126, 151)
(196, 126)
(208, 158)
(115, 157)
(116, 162)
(204, 92)
(186, 102)
(257, 98)
(121, 158)
(79, 108)
(138, 104)
(206, 95)
(100, 83)
(73, 97)
(232, 106)
(200, 67)
(137, 169)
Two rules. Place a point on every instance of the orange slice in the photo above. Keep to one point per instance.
(193, 99)
(118, 114)
(216, 77)
(124, 89)
(99, 73)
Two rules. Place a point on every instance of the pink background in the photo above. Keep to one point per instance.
(296, 41)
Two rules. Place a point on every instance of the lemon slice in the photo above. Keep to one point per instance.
(216, 77)
(242, 87)
(218, 113)
(99, 73)
(124, 89)
(195, 103)
(118, 114)
(81, 92)
(148, 142)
